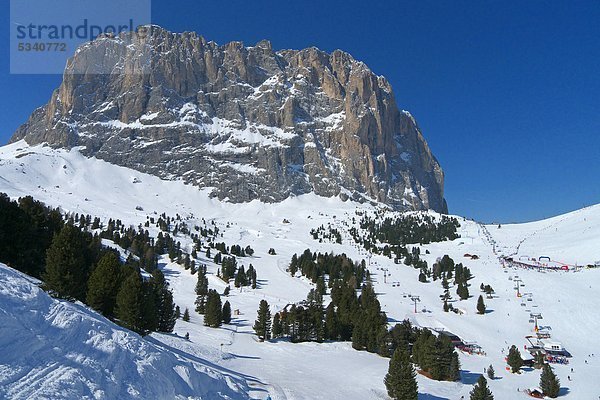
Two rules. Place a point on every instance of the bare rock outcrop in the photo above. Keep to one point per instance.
(248, 122)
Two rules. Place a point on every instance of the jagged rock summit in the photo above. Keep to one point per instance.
(247, 122)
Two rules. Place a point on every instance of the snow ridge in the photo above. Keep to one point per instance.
(60, 350)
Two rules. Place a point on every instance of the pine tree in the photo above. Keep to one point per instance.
(315, 317)
(186, 315)
(321, 288)
(177, 312)
(444, 360)
(480, 305)
(201, 290)
(213, 316)
(165, 307)
(462, 291)
(369, 322)
(200, 304)
(446, 306)
(514, 359)
(454, 367)
(538, 360)
(293, 268)
(400, 381)
(253, 278)
(130, 304)
(226, 312)
(262, 325)
(445, 284)
(549, 383)
(481, 390)
(104, 284)
(150, 307)
(331, 323)
(240, 278)
(277, 326)
(66, 265)
(491, 373)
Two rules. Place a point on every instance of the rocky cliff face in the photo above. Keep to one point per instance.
(248, 122)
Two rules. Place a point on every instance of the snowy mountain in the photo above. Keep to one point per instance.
(230, 360)
(246, 122)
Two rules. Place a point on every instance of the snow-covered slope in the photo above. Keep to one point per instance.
(567, 300)
(58, 350)
(572, 238)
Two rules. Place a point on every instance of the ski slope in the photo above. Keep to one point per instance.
(572, 238)
(283, 370)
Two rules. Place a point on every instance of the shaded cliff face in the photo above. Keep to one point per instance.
(248, 122)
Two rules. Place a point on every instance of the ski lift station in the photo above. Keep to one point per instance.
(546, 346)
(456, 341)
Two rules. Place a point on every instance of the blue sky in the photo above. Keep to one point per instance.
(506, 93)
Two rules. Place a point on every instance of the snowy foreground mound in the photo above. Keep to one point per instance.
(53, 350)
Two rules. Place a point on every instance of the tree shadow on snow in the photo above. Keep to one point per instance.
(564, 391)
(239, 322)
(261, 282)
(469, 378)
(167, 272)
(427, 396)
